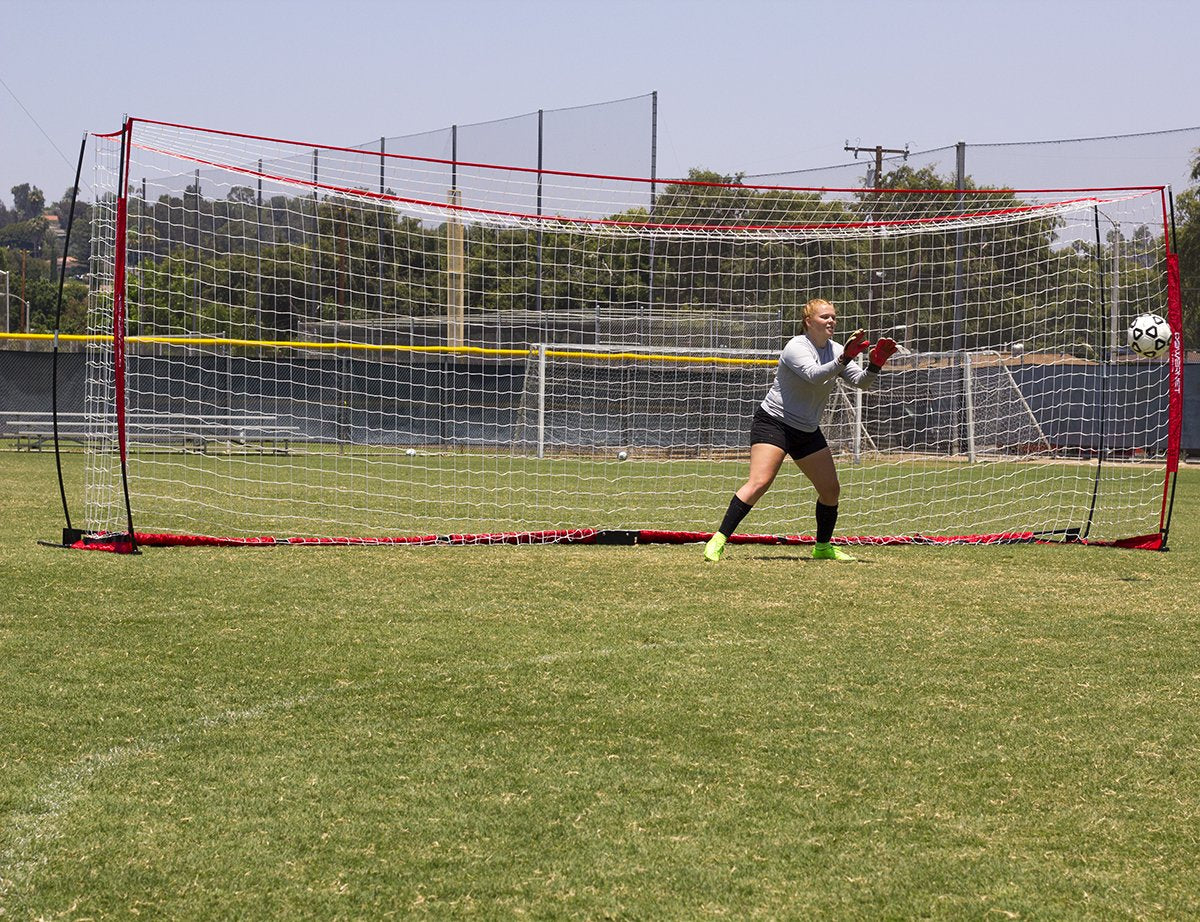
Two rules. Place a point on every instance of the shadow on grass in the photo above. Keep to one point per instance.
(801, 558)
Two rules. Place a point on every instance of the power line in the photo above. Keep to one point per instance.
(39, 127)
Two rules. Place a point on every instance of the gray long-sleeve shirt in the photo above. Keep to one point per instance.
(805, 379)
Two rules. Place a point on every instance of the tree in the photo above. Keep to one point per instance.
(1187, 247)
(28, 201)
(42, 296)
(25, 235)
(80, 244)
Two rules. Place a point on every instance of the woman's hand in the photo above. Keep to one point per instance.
(884, 350)
(855, 345)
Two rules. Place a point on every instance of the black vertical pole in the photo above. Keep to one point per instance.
(70, 536)
(120, 261)
(1107, 352)
(653, 146)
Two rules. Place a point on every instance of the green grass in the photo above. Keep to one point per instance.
(591, 732)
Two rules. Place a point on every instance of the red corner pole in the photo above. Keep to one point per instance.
(1175, 423)
(1175, 373)
(119, 324)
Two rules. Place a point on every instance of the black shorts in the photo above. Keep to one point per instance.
(796, 442)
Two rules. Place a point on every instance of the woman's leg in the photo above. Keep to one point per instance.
(765, 461)
(821, 470)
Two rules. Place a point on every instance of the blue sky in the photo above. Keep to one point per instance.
(756, 86)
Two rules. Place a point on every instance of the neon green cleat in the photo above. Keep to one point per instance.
(829, 552)
(715, 547)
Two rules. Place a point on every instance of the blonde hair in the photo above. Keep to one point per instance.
(811, 308)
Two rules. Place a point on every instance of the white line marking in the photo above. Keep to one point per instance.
(32, 829)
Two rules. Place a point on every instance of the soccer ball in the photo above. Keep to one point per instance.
(1149, 335)
(622, 455)
(410, 451)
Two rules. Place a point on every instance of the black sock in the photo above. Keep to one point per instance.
(826, 520)
(734, 515)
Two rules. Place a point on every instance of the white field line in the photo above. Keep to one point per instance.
(29, 830)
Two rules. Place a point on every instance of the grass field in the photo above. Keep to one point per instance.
(596, 732)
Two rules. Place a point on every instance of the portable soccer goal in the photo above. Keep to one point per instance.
(297, 343)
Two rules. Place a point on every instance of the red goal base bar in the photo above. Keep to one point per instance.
(121, 543)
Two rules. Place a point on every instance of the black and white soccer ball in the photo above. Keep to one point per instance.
(1149, 335)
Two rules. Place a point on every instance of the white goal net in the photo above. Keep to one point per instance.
(296, 341)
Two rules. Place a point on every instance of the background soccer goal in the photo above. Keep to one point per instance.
(299, 342)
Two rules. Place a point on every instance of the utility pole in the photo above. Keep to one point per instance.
(875, 289)
(879, 151)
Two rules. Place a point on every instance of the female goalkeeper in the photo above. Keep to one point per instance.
(788, 422)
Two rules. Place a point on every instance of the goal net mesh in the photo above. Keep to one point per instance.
(297, 340)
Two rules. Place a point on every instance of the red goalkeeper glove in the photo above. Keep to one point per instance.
(855, 345)
(884, 350)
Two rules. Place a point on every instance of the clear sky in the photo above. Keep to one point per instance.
(755, 86)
